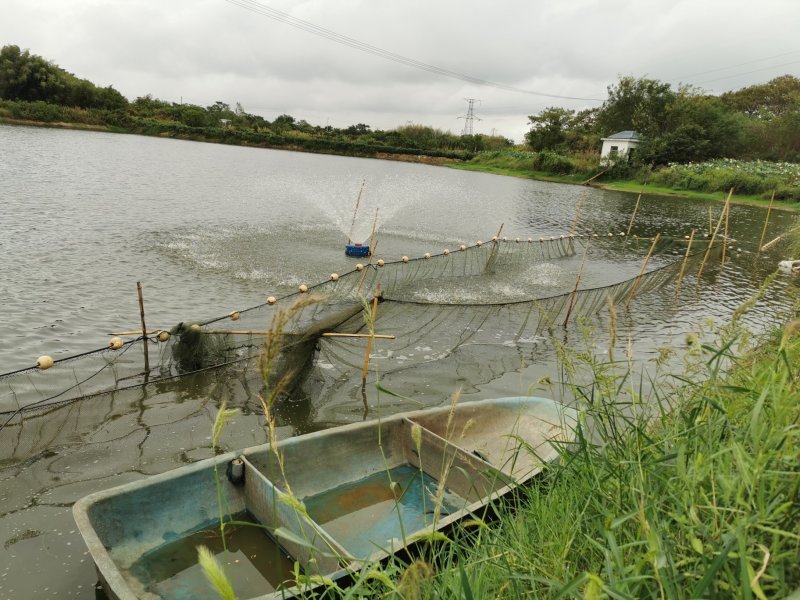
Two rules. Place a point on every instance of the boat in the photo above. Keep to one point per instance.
(327, 502)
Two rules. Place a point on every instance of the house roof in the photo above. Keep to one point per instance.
(624, 135)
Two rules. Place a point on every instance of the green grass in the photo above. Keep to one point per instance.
(683, 486)
(751, 199)
(525, 173)
(520, 164)
(688, 493)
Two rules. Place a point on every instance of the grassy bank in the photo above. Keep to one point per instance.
(753, 183)
(688, 492)
(750, 199)
(542, 166)
(699, 500)
(634, 187)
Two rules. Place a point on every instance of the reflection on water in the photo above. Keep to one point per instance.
(255, 563)
(211, 228)
(367, 515)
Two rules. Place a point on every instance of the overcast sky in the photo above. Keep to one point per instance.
(201, 51)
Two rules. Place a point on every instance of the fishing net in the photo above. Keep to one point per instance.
(464, 316)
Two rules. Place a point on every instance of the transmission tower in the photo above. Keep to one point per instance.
(470, 116)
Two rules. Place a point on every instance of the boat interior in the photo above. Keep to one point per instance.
(320, 504)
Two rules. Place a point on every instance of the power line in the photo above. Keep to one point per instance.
(749, 72)
(744, 64)
(344, 40)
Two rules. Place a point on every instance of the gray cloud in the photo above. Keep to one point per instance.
(208, 50)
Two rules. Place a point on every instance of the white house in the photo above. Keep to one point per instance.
(621, 144)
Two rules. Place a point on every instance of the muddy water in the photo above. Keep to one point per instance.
(210, 228)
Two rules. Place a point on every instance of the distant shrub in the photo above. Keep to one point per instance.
(505, 159)
(789, 193)
(754, 177)
(552, 162)
(36, 111)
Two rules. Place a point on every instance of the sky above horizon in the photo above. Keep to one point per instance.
(388, 64)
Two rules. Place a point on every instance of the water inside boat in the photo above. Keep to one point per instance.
(366, 515)
(254, 562)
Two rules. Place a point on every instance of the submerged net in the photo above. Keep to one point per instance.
(471, 312)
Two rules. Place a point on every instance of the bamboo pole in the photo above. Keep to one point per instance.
(594, 177)
(372, 235)
(764, 230)
(777, 239)
(355, 211)
(710, 221)
(683, 265)
(577, 213)
(725, 237)
(137, 332)
(633, 216)
(713, 237)
(252, 332)
(577, 283)
(499, 231)
(360, 335)
(641, 272)
(144, 328)
(770, 243)
(371, 334)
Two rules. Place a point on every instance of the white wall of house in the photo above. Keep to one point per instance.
(622, 147)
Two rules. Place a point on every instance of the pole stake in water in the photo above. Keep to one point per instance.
(577, 283)
(635, 208)
(144, 328)
(683, 265)
(641, 272)
(766, 221)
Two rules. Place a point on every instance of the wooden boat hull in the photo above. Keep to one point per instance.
(329, 500)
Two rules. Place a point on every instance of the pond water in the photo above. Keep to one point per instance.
(208, 229)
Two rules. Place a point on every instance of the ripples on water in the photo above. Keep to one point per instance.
(211, 228)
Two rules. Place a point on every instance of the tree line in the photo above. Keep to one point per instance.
(34, 88)
(28, 77)
(759, 122)
(677, 125)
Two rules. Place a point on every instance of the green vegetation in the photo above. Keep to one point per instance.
(25, 76)
(679, 486)
(756, 177)
(684, 125)
(689, 490)
(758, 126)
(756, 130)
(33, 89)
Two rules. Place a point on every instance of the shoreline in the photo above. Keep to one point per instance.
(626, 186)
(632, 187)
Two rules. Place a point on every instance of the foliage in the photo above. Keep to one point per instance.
(562, 130)
(552, 162)
(636, 104)
(773, 99)
(746, 177)
(25, 76)
(688, 490)
(683, 125)
(760, 122)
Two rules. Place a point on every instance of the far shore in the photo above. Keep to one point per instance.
(631, 187)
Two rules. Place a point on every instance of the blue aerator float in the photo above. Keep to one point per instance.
(356, 250)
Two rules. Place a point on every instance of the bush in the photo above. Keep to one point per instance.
(756, 177)
(552, 162)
